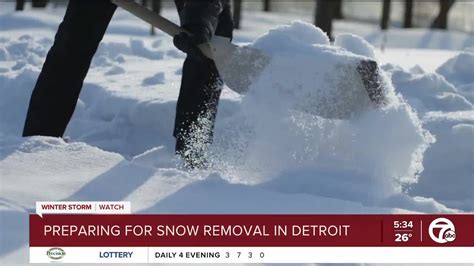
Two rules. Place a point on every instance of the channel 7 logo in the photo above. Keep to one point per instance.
(442, 231)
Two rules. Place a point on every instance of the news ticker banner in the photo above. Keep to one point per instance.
(127, 238)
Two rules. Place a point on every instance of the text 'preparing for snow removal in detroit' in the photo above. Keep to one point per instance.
(307, 230)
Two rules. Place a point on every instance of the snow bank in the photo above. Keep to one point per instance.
(15, 88)
(103, 117)
(427, 91)
(355, 44)
(271, 140)
(459, 69)
(444, 102)
(448, 175)
(58, 168)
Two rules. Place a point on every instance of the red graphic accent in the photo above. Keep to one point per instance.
(246, 230)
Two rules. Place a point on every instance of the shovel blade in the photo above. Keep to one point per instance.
(370, 75)
(238, 66)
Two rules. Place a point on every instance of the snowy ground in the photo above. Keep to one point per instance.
(415, 156)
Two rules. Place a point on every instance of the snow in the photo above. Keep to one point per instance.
(79, 160)
(313, 147)
(458, 70)
(274, 152)
(290, 36)
(355, 44)
(307, 75)
(427, 91)
(427, 59)
(154, 80)
(443, 100)
(449, 163)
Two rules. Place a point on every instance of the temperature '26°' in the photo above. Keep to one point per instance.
(403, 230)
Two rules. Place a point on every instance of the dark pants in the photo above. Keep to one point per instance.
(56, 92)
(58, 87)
(201, 88)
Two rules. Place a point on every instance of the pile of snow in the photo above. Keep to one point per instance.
(355, 44)
(458, 71)
(270, 141)
(444, 101)
(427, 91)
(306, 73)
(449, 168)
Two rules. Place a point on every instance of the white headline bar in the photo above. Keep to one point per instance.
(252, 255)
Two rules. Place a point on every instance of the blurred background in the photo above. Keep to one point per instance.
(455, 15)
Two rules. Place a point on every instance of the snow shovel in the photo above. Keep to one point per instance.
(229, 58)
(239, 66)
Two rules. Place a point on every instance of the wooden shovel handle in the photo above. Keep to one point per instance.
(149, 16)
(158, 21)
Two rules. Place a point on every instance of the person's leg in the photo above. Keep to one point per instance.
(196, 110)
(56, 92)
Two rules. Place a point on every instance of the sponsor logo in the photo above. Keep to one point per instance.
(55, 253)
(446, 231)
